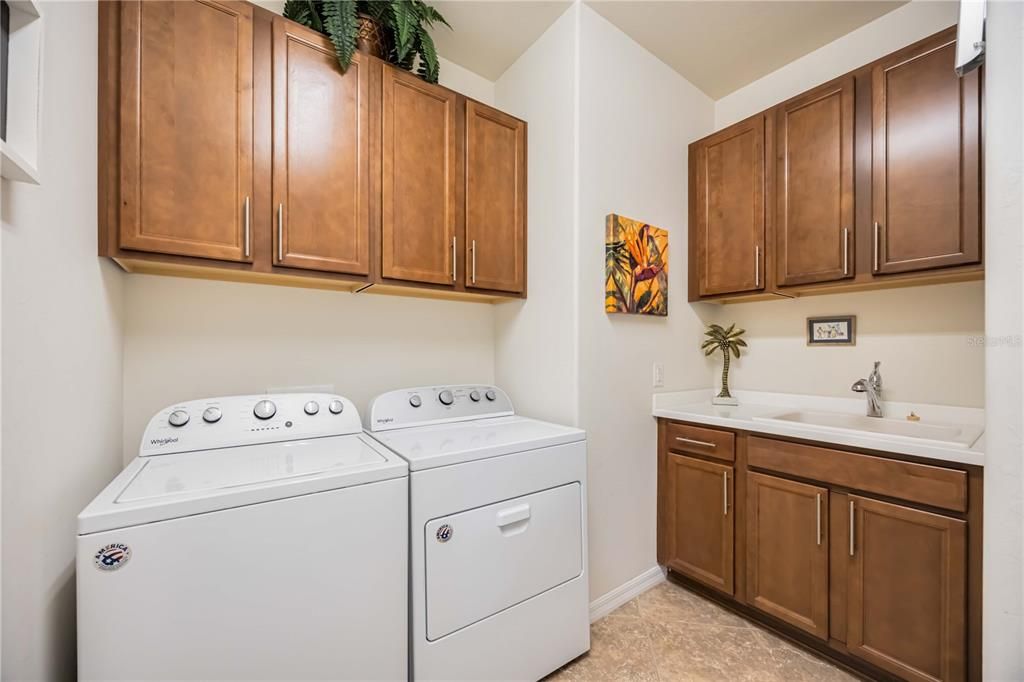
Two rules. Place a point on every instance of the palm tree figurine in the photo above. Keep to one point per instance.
(728, 341)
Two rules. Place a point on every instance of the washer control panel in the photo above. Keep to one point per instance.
(248, 420)
(436, 405)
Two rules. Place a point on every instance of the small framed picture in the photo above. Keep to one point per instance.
(832, 331)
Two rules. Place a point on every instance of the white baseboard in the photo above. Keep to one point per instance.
(606, 603)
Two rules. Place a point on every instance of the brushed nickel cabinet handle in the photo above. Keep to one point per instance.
(877, 228)
(455, 262)
(245, 208)
(691, 441)
(280, 233)
(851, 527)
(725, 493)
(474, 261)
(818, 505)
(757, 265)
(846, 251)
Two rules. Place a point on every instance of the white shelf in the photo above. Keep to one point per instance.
(14, 167)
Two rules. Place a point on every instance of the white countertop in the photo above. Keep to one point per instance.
(695, 406)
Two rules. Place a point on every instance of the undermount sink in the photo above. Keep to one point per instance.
(949, 435)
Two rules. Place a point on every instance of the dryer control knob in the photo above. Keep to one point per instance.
(474, 396)
(311, 408)
(415, 400)
(211, 415)
(446, 397)
(336, 406)
(178, 418)
(491, 395)
(264, 409)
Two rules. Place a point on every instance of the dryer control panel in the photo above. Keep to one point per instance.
(425, 405)
(230, 421)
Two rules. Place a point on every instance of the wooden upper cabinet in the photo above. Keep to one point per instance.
(926, 179)
(495, 199)
(186, 128)
(728, 217)
(787, 551)
(906, 590)
(814, 185)
(321, 168)
(697, 520)
(419, 180)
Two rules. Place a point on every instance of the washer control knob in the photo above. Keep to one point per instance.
(335, 406)
(264, 409)
(415, 400)
(211, 415)
(474, 395)
(446, 397)
(311, 408)
(178, 418)
(491, 395)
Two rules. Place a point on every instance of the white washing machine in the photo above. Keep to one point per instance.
(253, 538)
(498, 549)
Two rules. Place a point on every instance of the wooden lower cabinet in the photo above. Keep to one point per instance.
(871, 559)
(787, 551)
(906, 590)
(699, 530)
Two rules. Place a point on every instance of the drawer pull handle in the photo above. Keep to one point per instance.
(455, 266)
(507, 517)
(280, 233)
(725, 493)
(846, 251)
(245, 220)
(852, 527)
(818, 505)
(691, 441)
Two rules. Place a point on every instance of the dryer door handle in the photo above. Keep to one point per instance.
(507, 517)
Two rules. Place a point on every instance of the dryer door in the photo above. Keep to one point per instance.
(484, 560)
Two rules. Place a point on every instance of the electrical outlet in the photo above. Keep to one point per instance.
(659, 375)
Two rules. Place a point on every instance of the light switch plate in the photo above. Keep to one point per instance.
(659, 375)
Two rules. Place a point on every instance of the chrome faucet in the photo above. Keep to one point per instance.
(873, 387)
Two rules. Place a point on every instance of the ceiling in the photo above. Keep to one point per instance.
(722, 46)
(489, 35)
(718, 45)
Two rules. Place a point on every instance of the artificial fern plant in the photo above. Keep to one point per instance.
(407, 21)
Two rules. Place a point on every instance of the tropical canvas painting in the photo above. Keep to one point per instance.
(636, 267)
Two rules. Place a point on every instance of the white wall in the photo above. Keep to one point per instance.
(904, 25)
(536, 343)
(188, 338)
(1004, 302)
(926, 337)
(637, 117)
(61, 356)
(465, 81)
(929, 340)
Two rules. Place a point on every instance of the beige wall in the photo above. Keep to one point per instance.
(187, 338)
(925, 336)
(928, 339)
(62, 322)
(535, 344)
(636, 118)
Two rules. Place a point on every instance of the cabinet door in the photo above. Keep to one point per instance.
(729, 216)
(418, 182)
(926, 185)
(321, 154)
(787, 551)
(814, 190)
(698, 499)
(186, 128)
(495, 199)
(906, 586)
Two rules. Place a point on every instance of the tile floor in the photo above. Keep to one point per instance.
(670, 633)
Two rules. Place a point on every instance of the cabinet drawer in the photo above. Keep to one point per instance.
(699, 441)
(921, 483)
